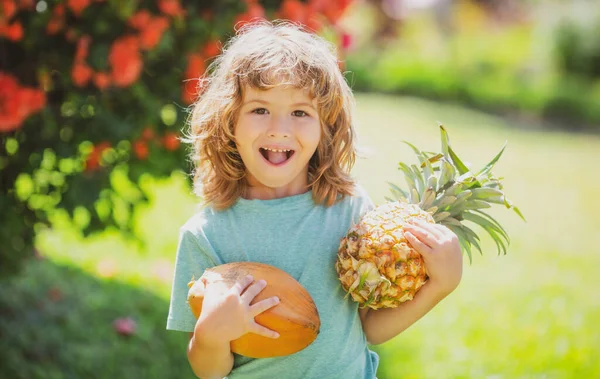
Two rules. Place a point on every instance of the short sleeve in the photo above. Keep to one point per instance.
(194, 255)
(363, 203)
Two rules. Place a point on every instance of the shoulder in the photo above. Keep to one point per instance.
(202, 219)
(196, 239)
(200, 225)
(360, 198)
(357, 204)
(361, 194)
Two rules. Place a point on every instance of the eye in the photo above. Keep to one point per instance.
(300, 113)
(260, 111)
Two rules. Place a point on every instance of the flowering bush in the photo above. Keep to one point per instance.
(93, 94)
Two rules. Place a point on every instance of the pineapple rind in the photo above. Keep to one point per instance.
(376, 264)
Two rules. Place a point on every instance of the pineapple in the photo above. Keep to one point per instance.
(377, 266)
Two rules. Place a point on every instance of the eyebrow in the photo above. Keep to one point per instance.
(267, 103)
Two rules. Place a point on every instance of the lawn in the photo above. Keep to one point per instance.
(529, 314)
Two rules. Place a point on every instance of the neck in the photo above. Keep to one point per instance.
(267, 193)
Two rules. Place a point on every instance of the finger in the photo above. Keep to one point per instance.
(446, 231)
(241, 284)
(263, 305)
(253, 290)
(434, 229)
(261, 330)
(417, 244)
(422, 234)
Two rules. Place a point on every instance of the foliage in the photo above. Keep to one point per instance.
(93, 94)
(578, 48)
(60, 322)
(517, 68)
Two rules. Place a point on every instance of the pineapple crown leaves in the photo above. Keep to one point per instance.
(444, 186)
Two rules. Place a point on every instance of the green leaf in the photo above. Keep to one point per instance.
(450, 154)
(445, 141)
(408, 176)
(432, 158)
(420, 182)
(414, 196)
(485, 170)
(398, 192)
(428, 198)
(447, 173)
(518, 211)
(485, 193)
(419, 153)
(490, 229)
(427, 173)
(472, 237)
(482, 218)
(463, 240)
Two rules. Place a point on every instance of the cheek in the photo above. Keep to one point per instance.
(311, 136)
(243, 132)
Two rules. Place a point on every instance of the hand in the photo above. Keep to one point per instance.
(441, 252)
(227, 314)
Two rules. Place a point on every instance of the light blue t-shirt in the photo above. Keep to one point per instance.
(302, 239)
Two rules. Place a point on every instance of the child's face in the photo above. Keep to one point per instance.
(277, 132)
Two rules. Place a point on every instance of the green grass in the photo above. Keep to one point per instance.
(529, 314)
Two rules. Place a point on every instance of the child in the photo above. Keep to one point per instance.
(273, 145)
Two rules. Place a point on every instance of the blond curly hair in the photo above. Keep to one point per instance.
(263, 55)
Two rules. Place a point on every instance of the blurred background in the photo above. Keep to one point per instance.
(95, 182)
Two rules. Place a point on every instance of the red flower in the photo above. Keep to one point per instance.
(93, 160)
(314, 20)
(195, 66)
(71, 35)
(83, 47)
(147, 133)
(318, 5)
(125, 60)
(13, 32)
(346, 41)
(255, 11)
(17, 103)
(9, 8)
(170, 141)
(77, 6)
(170, 7)
(211, 49)
(141, 150)
(293, 10)
(81, 74)
(335, 9)
(57, 21)
(151, 34)
(124, 326)
(26, 4)
(10, 118)
(101, 80)
(35, 99)
(194, 70)
(54, 26)
(140, 19)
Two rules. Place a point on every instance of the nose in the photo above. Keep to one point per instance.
(279, 127)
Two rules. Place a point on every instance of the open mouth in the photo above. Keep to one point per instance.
(276, 156)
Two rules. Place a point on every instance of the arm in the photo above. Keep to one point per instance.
(226, 315)
(383, 324)
(209, 359)
(443, 259)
